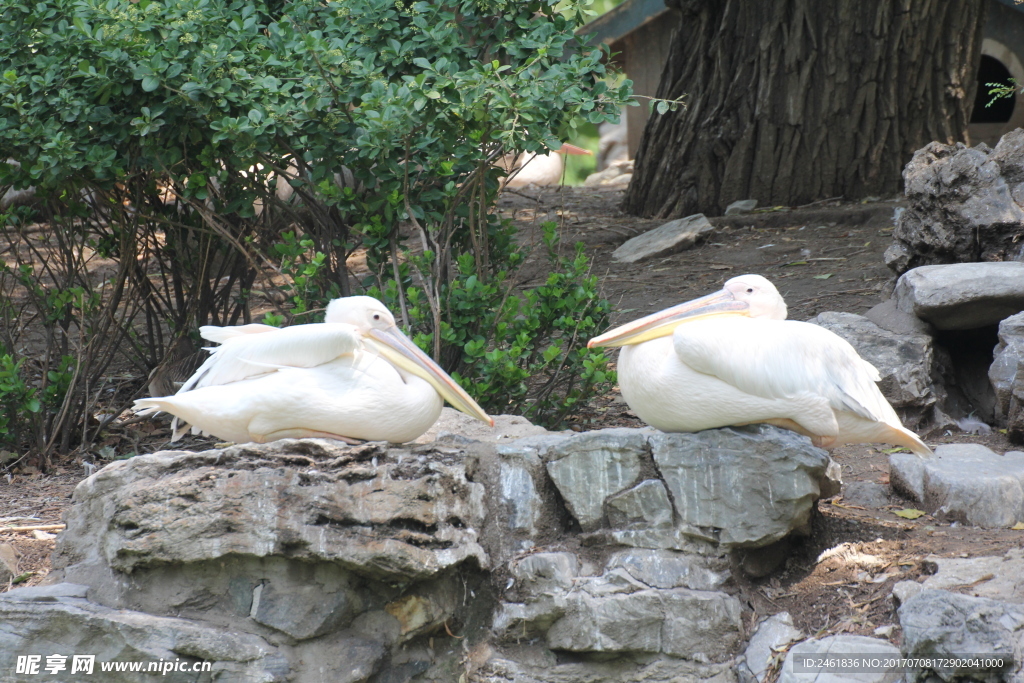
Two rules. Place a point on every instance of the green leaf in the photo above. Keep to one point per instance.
(909, 513)
(150, 83)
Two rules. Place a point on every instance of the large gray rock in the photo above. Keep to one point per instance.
(587, 468)
(670, 238)
(333, 555)
(772, 634)
(960, 629)
(662, 568)
(905, 363)
(964, 482)
(1006, 374)
(543, 582)
(310, 500)
(60, 621)
(796, 670)
(679, 622)
(749, 486)
(962, 296)
(965, 205)
(983, 577)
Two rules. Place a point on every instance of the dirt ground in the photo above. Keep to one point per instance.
(823, 257)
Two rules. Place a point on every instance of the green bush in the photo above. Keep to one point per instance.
(384, 117)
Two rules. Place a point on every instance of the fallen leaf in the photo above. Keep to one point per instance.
(1019, 526)
(910, 513)
(822, 277)
(796, 263)
(898, 449)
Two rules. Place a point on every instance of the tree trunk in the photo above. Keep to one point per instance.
(791, 101)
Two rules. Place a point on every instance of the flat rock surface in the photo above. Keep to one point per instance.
(958, 629)
(671, 237)
(969, 483)
(837, 646)
(962, 296)
(996, 577)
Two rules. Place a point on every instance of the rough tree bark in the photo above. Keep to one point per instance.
(791, 101)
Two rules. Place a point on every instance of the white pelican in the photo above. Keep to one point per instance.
(355, 376)
(538, 169)
(732, 358)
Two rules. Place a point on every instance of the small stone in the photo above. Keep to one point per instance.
(646, 503)
(741, 206)
(667, 239)
(8, 563)
(775, 632)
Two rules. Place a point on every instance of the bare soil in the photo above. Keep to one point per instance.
(824, 257)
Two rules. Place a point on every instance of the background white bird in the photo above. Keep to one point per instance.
(732, 358)
(354, 376)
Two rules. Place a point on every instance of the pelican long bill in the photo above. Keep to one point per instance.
(401, 351)
(663, 323)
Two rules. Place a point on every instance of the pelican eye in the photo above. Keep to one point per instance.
(376, 316)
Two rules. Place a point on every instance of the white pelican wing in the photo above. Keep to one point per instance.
(219, 335)
(783, 359)
(257, 352)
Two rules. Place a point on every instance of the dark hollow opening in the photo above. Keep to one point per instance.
(970, 355)
(992, 71)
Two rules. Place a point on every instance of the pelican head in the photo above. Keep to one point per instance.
(379, 331)
(752, 296)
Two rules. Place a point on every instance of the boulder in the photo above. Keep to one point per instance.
(965, 205)
(603, 618)
(365, 510)
(667, 239)
(905, 363)
(662, 568)
(59, 620)
(800, 662)
(587, 468)
(964, 482)
(1006, 374)
(962, 296)
(966, 636)
(325, 555)
(983, 577)
(746, 486)
(772, 634)
(542, 582)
